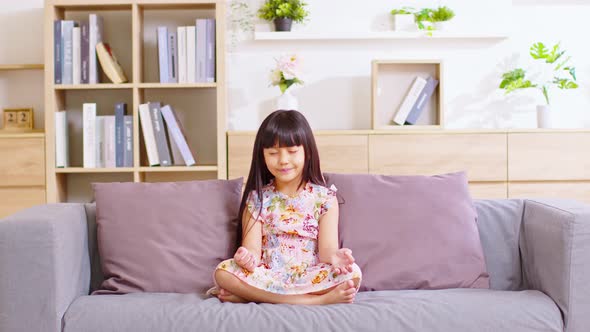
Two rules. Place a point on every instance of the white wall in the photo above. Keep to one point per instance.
(337, 90)
(337, 73)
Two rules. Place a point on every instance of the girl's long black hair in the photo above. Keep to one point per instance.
(285, 129)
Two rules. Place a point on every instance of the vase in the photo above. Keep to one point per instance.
(543, 116)
(287, 101)
(283, 24)
(404, 22)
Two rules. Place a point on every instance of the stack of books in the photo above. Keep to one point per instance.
(164, 137)
(187, 54)
(107, 139)
(78, 50)
(415, 101)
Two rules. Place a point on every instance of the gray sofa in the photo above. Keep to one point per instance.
(537, 254)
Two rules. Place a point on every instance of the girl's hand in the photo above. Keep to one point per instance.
(342, 261)
(245, 259)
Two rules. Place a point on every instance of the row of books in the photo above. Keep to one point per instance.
(164, 137)
(415, 101)
(107, 139)
(187, 54)
(78, 51)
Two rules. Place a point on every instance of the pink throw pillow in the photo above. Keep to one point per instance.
(165, 237)
(411, 232)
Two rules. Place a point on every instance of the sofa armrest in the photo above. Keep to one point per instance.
(44, 266)
(555, 247)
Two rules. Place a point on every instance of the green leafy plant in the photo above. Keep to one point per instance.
(563, 75)
(403, 11)
(426, 15)
(292, 9)
(442, 14)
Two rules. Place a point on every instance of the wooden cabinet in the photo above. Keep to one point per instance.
(22, 171)
(339, 153)
(549, 164)
(499, 163)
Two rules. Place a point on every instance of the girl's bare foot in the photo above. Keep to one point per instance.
(225, 296)
(343, 293)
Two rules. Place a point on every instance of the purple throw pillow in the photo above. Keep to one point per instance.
(411, 232)
(165, 237)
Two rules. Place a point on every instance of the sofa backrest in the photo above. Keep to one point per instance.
(96, 276)
(499, 222)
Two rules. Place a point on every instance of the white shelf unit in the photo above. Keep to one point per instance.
(376, 35)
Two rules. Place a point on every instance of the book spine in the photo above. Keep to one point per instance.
(191, 39)
(177, 159)
(210, 52)
(61, 140)
(84, 52)
(422, 101)
(57, 51)
(163, 54)
(89, 134)
(177, 133)
(66, 39)
(172, 58)
(120, 111)
(109, 141)
(95, 37)
(411, 97)
(181, 33)
(76, 55)
(100, 142)
(148, 135)
(160, 135)
(201, 49)
(128, 150)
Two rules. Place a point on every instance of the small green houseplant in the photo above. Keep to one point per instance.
(283, 13)
(440, 16)
(556, 72)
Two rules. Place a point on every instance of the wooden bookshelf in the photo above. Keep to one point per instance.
(129, 26)
(18, 66)
(391, 81)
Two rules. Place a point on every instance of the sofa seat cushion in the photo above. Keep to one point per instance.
(408, 310)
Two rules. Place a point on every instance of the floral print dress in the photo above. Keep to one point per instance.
(290, 225)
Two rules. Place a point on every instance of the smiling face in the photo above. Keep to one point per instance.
(285, 163)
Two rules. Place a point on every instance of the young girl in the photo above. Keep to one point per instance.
(289, 226)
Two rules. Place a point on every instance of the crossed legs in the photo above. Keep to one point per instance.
(235, 290)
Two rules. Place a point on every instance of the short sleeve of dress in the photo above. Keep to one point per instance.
(253, 204)
(326, 196)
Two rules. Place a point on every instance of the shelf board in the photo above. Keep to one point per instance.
(204, 168)
(17, 66)
(273, 35)
(176, 85)
(36, 133)
(94, 170)
(100, 86)
(408, 127)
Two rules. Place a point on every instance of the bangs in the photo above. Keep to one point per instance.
(284, 133)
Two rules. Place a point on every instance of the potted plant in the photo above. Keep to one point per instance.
(556, 73)
(403, 19)
(440, 16)
(283, 13)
